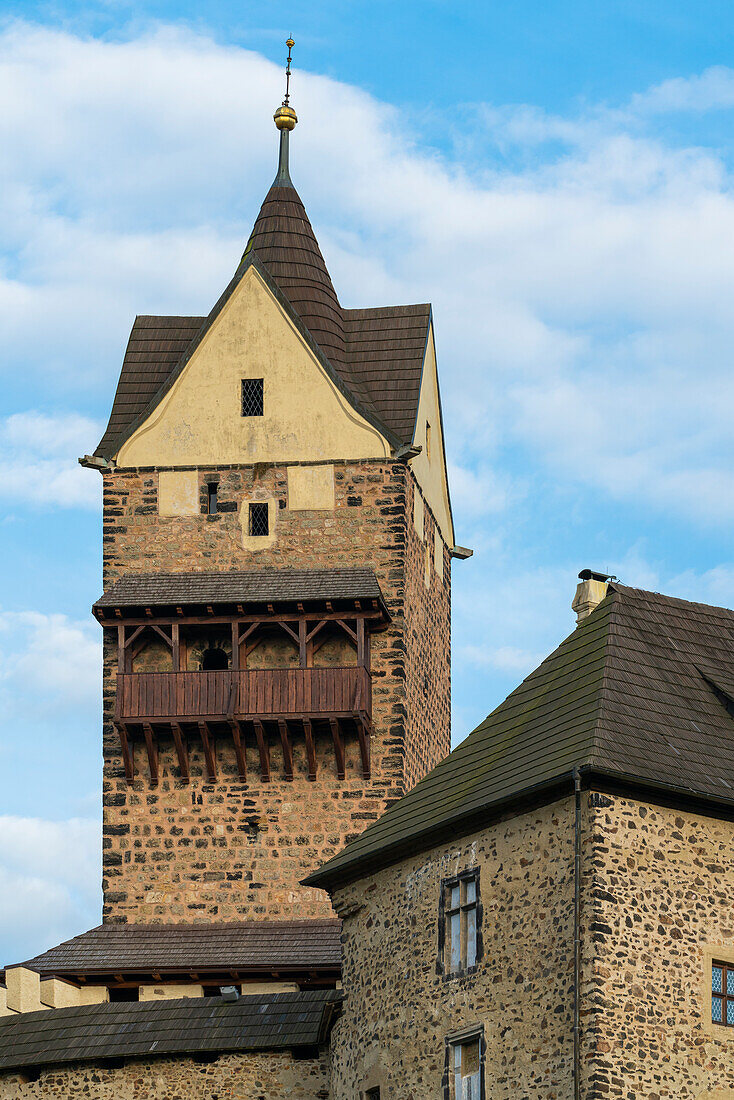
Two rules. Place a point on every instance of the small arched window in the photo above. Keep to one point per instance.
(214, 659)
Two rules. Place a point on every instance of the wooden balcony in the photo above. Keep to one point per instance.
(245, 694)
(248, 702)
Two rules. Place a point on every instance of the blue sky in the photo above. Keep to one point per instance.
(555, 178)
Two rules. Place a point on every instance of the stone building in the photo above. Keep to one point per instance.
(548, 914)
(305, 894)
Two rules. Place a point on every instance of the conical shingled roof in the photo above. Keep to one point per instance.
(285, 244)
(642, 693)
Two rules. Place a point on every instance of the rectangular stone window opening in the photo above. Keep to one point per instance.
(212, 490)
(372, 1094)
(465, 1068)
(252, 397)
(258, 526)
(722, 994)
(460, 941)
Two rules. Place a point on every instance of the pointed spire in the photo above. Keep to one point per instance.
(285, 119)
(284, 241)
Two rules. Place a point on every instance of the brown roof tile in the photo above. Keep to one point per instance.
(261, 586)
(376, 355)
(177, 1027)
(248, 945)
(642, 692)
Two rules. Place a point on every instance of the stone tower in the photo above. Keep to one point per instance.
(276, 609)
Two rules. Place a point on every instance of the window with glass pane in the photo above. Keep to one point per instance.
(722, 994)
(461, 922)
(252, 397)
(465, 1069)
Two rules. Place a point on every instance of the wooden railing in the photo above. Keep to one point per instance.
(246, 693)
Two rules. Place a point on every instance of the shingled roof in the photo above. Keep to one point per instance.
(256, 946)
(641, 694)
(260, 586)
(374, 355)
(151, 1029)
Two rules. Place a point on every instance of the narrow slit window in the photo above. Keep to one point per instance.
(252, 397)
(259, 520)
(460, 924)
(212, 490)
(722, 994)
(465, 1069)
(428, 441)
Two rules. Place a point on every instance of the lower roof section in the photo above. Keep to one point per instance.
(264, 586)
(151, 1029)
(256, 947)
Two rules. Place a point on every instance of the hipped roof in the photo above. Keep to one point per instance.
(641, 694)
(375, 356)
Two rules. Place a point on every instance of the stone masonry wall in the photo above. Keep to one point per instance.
(427, 646)
(659, 909)
(223, 850)
(251, 1076)
(399, 1010)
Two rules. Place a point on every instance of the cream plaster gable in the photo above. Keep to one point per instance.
(429, 466)
(306, 418)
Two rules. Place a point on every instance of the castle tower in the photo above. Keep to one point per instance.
(276, 609)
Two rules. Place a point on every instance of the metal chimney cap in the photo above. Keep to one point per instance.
(592, 575)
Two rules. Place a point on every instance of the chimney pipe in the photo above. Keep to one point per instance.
(590, 591)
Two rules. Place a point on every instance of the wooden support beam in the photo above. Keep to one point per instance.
(348, 630)
(319, 626)
(285, 741)
(152, 748)
(310, 750)
(127, 756)
(136, 619)
(264, 751)
(290, 630)
(235, 646)
(364, 745)
(361, 643)
(338, 748)
(239, 750)
(176, 647)
(120, 648)
(209, 757)
(302, 647)
(182, 751)
(166, 637)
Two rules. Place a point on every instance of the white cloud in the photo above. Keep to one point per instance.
(713, 89)
(49, 882)
(38, 461)
(582, 298)
(48, 663)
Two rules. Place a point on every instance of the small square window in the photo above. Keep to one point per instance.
(259, 520)
(722, 994)
(252, 397)
(460, 936)
(465, 1068)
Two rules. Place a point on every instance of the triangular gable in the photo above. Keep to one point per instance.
(113, 442)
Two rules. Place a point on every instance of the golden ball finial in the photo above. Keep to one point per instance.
(289, 43)
(285, 118)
